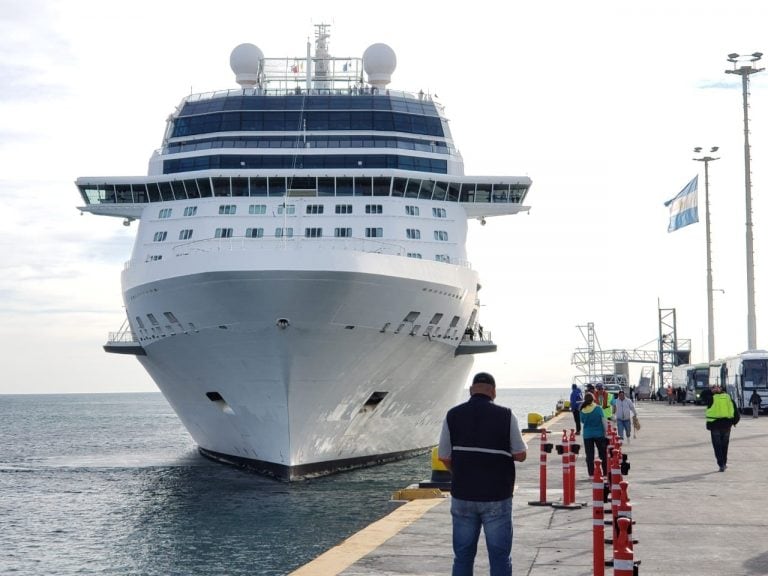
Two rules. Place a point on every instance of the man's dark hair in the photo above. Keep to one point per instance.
(484, 378)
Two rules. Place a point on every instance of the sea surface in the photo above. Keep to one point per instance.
(112, 484)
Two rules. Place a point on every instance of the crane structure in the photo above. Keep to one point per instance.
(612, 366)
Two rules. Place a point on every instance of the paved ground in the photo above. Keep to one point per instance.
(690, 518)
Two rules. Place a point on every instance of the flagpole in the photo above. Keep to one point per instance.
(710, 304)
(743, 66)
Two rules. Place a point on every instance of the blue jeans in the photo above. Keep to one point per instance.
(624, 426)
(496, 520)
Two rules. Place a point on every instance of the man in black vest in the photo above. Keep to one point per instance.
(479, 444)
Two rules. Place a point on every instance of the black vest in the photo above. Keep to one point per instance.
(476, 474)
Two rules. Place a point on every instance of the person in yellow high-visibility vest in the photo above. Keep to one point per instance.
(603, 399)
(721, 415)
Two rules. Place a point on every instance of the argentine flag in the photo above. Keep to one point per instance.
(684, 208)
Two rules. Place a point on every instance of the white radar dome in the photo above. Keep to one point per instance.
(245, 62)
(379, 61)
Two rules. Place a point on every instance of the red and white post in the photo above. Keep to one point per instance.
(623, 556)
(545, 448)
(598, 527)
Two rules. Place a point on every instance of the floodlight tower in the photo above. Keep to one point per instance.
(745, 66)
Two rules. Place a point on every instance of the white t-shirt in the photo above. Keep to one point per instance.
(623, 409)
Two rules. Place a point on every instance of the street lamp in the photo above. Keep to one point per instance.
(710, 307)
(744, 66)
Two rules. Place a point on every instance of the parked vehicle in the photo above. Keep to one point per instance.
(744, 373)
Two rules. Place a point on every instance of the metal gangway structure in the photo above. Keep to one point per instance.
(612, 366)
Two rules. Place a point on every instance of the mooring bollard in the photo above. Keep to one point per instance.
(545, 448)
(598, 528)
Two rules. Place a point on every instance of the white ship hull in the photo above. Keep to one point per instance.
(295, 401)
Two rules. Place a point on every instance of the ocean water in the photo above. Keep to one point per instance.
(112, 484)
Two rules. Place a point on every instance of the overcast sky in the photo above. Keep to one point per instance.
(600, 103)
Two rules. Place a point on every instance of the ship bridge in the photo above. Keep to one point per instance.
(480, 196)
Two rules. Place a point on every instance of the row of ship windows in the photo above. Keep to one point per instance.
(309, 142)
(380, 121)
(305, 162)
(311, 102)
(309, 232)
(310, 186)
(417, 255)
(259, 209)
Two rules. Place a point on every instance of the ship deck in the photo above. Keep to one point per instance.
(689, 517)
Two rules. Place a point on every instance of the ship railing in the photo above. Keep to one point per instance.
(285, 90)
(124, 335)
(476, 335)
(237, 142)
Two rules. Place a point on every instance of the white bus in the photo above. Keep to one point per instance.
(698, 381)
(744, 373)
(679, 379)
(716, 373)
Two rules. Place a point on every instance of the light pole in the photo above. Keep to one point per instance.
(744, 66)
(710, 306)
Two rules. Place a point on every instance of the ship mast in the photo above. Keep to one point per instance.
(322, 56)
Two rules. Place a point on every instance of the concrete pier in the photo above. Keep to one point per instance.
(690, 518)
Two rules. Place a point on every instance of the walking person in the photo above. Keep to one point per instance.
(480, 443)
(623, 410)
(755, 401)
(594, 432)
(603, 399)
(721, 415)
(576, 400)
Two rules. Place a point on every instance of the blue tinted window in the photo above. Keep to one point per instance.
(154, 192)
(334, 120)
(398, 187)
(439, 191)
(343, 186)
(325, 187)
(233, 162)
(363, 187)
(277, 186)
(258, 186)
(381, 186)
(221, 186)
(204, 185)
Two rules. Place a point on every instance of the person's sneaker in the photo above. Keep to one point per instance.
(722, 468)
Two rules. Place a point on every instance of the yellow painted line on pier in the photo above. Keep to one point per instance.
(345, 554)
(341, 557)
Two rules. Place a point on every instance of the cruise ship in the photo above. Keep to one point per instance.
(299, 288)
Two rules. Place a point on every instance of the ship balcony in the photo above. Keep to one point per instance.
(124, 342)
(475, 343)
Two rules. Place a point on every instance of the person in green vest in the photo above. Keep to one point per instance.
(721, 415)
(603, 399)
